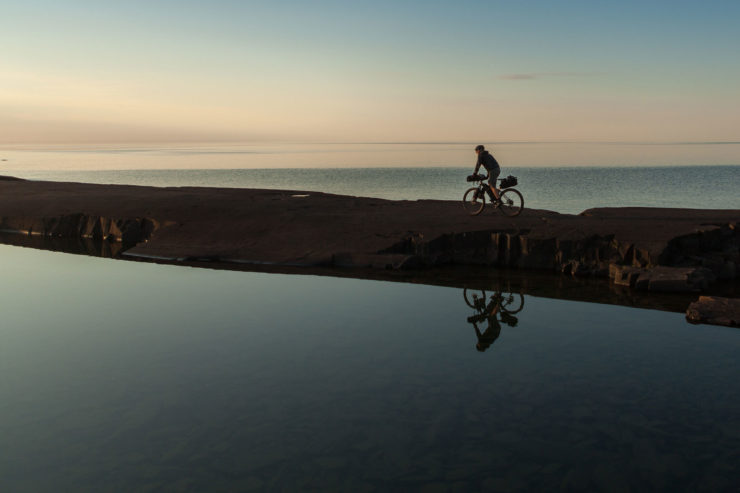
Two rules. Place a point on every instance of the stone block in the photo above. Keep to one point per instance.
(627, 275)
(715, 310)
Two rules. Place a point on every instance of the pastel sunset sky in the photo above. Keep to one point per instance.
(383, 71)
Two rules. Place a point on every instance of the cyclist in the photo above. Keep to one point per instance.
(489, 162)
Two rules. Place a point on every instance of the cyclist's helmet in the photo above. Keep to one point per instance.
(479, 148)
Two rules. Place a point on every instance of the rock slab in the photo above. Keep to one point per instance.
(645, 248)
(715, 310)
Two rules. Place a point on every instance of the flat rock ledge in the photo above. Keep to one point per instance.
(715, 310)
(647, 249)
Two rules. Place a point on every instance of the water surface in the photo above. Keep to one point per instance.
(566, 190)
(121, 376)
(566, 177)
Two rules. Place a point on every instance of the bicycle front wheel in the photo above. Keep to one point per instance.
(512, 202)
(473, 204)
(512, 303)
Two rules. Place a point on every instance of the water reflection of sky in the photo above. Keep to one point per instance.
(120, 375)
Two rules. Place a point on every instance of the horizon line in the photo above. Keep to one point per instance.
(313, 142)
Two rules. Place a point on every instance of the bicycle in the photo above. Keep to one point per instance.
(511, 302)
(510, 203)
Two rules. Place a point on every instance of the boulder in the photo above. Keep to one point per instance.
(715, 310)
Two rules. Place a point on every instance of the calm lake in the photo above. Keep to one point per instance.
(126, 376)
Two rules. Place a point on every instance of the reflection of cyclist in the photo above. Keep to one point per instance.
(489, 162)
(490, 335)
(494, 327)
(496, 311)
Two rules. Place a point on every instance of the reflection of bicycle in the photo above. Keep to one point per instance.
(510, 302)
(499, 307)
(510, 201)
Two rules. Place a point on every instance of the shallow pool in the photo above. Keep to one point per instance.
(123, 376)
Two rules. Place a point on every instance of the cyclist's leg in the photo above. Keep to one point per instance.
(492, 176)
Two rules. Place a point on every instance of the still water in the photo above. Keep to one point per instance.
(124, 376)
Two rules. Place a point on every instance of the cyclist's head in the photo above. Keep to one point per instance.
(479, 148)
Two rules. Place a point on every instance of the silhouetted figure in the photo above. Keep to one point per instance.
(489, 336)
(489, 162)
(489, 314)
(498, 309)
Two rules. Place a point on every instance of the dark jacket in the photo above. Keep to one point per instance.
(486, 160)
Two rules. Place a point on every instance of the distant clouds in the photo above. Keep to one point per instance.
(542, 75)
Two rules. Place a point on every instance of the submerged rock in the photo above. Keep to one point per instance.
(715, 310)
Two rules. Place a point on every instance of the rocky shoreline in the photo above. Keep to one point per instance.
(647, 249)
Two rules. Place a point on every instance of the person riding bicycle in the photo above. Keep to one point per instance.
(489, 162)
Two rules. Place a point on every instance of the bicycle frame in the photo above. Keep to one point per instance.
(510, 201)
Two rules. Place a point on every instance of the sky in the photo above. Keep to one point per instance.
(79, 71)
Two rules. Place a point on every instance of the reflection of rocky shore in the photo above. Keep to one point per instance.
(80, 246)
(653, 250)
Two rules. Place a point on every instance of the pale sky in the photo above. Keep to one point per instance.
(383, 71)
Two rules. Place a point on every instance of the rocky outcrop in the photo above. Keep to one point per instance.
(652, 249)
(590, 256)
(689, 263)
(715, 310)
(127, 231)
(717, 249)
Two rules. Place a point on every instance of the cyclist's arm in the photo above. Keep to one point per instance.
(478, 164)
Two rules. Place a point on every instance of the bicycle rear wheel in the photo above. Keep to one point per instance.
(473, 204)
(512, 202)
(473, 299)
